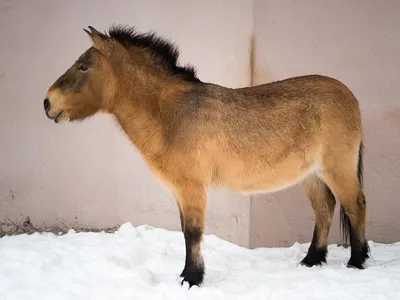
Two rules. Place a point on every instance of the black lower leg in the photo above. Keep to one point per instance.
(186, 258)
(191, 198)
(359, 251)
(183, 273)
(315, 256)
(185, 267)
(194, 268)
(356, 229)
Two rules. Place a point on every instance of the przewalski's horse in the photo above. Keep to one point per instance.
(194, 134)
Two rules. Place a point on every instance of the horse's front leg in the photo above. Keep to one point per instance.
(183, 230)
(191, 197)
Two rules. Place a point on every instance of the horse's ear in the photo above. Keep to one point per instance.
(98, 39)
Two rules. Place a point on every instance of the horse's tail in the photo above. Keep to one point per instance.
(345, 224)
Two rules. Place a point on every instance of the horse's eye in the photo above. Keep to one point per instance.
(83, 68)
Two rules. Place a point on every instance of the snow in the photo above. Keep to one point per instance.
(145, 263)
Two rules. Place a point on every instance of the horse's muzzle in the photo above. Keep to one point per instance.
(46, 105)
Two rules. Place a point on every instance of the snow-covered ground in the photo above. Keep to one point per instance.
(144, 263)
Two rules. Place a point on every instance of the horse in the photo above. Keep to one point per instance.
(193, 134)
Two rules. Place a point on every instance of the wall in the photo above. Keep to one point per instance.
(88, 175)
(357, 42)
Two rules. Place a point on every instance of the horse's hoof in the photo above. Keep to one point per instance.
(353, 265)
(193, 277)
(356, 263)
(359, 257)
(312, 261)
(309, 264)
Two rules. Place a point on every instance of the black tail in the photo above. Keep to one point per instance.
(345, 225)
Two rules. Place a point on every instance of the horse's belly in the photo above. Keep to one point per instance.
(251, 180)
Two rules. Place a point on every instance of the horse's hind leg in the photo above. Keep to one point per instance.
(323, 203)
(347, 190)
(356, 214)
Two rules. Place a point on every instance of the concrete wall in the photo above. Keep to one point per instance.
(357, 42)
(88, 175)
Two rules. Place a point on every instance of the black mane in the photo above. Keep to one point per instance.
(163, 52)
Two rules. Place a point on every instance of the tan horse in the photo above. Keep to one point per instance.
(193, 134)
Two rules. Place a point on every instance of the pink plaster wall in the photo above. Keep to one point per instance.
(88, 174)
(357, 42)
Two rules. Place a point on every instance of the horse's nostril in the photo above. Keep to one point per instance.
(46, 104)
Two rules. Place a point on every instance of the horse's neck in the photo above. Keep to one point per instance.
(139, 113)
(141, 125)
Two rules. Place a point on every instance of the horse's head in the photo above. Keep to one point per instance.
(86, 86)
(120, 65)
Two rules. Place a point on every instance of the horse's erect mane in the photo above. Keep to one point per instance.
(163, 52)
